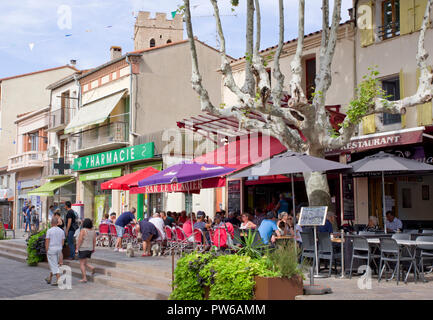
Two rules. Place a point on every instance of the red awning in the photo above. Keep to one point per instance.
(123, 183)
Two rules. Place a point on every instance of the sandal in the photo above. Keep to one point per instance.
(146, 255)
(48, 280)
(82, 281)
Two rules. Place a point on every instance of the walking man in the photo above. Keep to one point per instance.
(53, 245)
(71, 226)
(25, 209)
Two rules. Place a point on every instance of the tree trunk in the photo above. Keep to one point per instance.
(316, 184)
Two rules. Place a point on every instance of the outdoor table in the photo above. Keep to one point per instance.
(283, 239)
(410, 246)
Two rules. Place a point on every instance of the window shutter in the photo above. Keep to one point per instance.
(401, 80)
(407, 16)
(420, 6)
(423, 111)
(369, 124)
(367, 35)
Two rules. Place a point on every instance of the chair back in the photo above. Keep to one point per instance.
(401, 236)
(199, 236)
(112, 230)
(180, 235)
(325, 243)
(366, 233)
(360, 244)
(427, 231)
(389, 245)
(169, 233)
(426, 239)
(307, 241)
(103, 228)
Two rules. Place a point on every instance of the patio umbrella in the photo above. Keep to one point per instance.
(123, 183)
(185, 172)
(386, 162)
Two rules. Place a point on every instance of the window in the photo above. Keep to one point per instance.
(152, 43)
(392, 89)
(34, 141)
(390, 19)
(168, 41)
(310, 67)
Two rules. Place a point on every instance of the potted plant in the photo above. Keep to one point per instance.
(289, 283)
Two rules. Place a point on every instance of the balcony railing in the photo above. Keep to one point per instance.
(100, 138)
(389, 30)
(58, 119)
(26, 160)
(49, 167)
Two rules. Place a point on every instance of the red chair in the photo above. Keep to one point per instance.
(103, 238)
(181, 239)
(171, 240)
(113, 234)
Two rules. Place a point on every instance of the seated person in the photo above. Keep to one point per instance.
(148, 233)
(330, 218)
(187, 226)
(113, 217)
(202, 225)
(247, 222)
(393, 224)
(105, 219)
(268, 227)
(372, 224)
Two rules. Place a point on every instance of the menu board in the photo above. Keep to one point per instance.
(313, 216)
(234, 196)
(348, 198)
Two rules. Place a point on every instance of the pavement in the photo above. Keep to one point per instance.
(358, 289)
(19, 281)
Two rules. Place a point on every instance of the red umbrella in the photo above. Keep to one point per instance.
(122, 183)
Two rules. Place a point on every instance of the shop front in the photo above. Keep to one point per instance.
(23, 188)
(98, 168)
(6, 207)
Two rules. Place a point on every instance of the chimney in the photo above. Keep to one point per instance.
(115, 52)
(73, 62)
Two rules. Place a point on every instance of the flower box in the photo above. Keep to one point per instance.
(278, 288)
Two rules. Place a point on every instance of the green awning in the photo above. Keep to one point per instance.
(94, 112)
(47, 190)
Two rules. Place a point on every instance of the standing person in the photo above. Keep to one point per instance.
(148, 233)
(54, 241)
(283, 205)
(50, 213)
(27, 220)
(124, 219)
(85, 247)
(35, 219)
(71, 226)
(61, 225)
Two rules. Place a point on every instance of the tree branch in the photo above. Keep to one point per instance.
(249, 84)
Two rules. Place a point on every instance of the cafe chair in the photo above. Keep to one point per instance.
(326, 251)
(427, 231)
(401, 236)
(366, 233)
(362, 251)
(308, 247)
(425, 253)
(390, 253)
(411, 231)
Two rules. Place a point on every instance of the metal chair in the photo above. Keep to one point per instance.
(362, 251)
(308, 247)
(326, 251)
(427, 231)
(366, 233)
(401, 236)
(411, 231)
(390, 252)
(425, 252)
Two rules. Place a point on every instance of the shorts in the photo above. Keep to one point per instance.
(86, 254)
(148, 230)
(120, 231)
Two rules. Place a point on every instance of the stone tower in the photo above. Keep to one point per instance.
(153, 32)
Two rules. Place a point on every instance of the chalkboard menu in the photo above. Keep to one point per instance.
(348, 198)
(313, 216)
(234, 196)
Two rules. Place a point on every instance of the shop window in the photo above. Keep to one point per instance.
(310, 70)
(152, 43)
(392, 90)
(390, 19)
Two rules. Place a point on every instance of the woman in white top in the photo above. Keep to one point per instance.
(85, 247)
(54, 241)
(246, 222)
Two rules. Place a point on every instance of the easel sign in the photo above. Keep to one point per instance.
(313, 216)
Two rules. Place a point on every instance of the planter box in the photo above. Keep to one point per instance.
(278, 288)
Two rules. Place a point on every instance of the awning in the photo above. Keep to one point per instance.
(122, 183)
(48, 188)
(94, 112)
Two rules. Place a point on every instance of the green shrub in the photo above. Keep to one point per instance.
(284, 260)
(188, 284)
(33, 257)
(231, 277)
(249, 246)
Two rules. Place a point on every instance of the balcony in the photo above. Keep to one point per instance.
(27, 160)
(58, 119)
(112, 136)
(389, 30)
(50, 171)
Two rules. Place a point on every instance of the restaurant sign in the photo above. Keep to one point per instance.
(115, 157)
(380, 141)
(193, 186)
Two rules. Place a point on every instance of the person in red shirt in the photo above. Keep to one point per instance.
(187, 226)
(182, 217)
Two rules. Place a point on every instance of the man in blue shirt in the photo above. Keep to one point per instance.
(124, 219)
(330, 217)
(26, 213)
(267, 227)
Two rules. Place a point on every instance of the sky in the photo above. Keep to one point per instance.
(41, 34)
